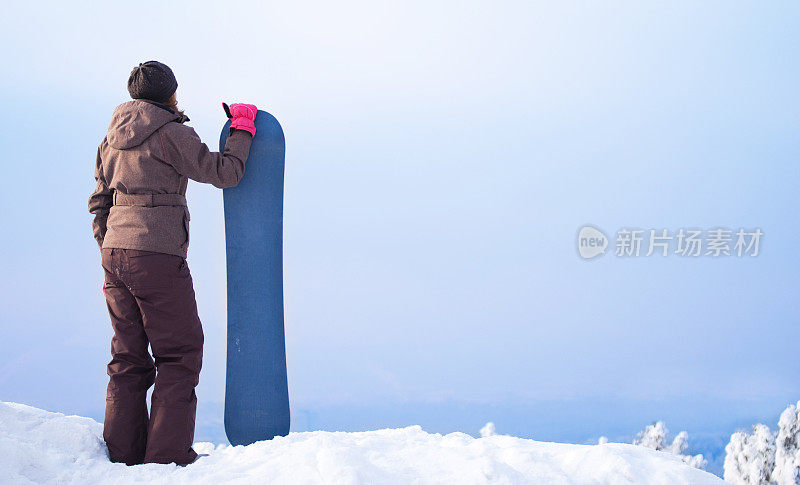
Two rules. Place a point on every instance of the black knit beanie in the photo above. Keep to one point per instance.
(152, 80)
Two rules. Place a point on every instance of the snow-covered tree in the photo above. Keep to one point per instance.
(787, 444)
(655, 437)
(488, 430)
(750, 458)
(602, 440)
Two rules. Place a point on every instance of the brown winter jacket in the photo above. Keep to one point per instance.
(142, 168)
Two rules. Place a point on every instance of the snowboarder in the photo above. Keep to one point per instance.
(141, 223)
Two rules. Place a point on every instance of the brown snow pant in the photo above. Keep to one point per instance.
(151, 300)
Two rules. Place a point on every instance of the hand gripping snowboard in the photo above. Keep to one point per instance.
(256, 390)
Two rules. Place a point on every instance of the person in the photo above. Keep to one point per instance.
(141, 224)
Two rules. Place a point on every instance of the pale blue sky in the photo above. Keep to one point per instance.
(440, 158)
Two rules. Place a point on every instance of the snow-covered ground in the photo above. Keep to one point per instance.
(37, 446)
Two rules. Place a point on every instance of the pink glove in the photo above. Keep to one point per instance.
(243, 116)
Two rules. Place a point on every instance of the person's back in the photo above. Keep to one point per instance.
(148, 150)
(141, 224)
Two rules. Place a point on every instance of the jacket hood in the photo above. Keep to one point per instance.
(134, 121)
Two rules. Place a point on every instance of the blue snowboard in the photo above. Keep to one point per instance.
(256, 390)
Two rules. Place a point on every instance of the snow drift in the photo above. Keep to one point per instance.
(37, 446)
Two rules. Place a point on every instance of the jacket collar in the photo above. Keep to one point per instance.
(181, 119)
